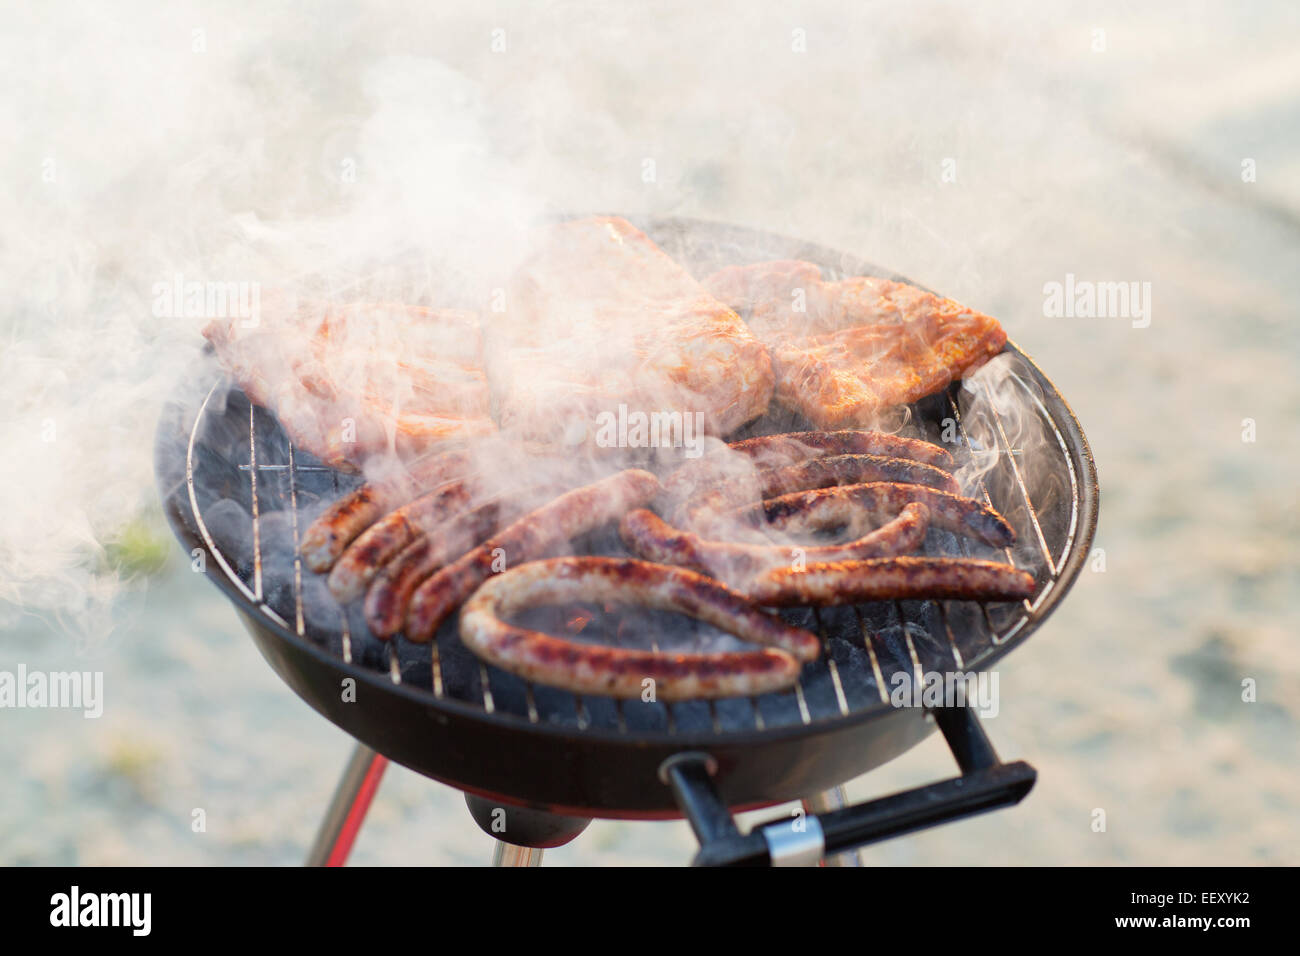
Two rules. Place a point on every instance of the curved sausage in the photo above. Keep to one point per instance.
(848, 505)
(650, 537)
(792, 447)
(853, 470)
(812, 474)
(533, 536)
(621, 672)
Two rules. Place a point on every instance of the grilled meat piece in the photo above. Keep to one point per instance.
(347, 382)
(599, 316)
(844, 350)
(886, 579)
(620, 672)
(536, 535)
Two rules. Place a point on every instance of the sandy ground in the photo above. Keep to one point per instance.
(1121, 163)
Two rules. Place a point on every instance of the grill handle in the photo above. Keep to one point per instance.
(985, 784)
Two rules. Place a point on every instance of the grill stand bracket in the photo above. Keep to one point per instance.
(808, 838)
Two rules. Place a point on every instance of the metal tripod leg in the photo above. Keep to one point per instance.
(507, 854)
(834, 799)
(347, 809)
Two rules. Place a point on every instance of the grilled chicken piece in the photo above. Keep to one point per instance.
(599, 316)
(842, 351)
(347, 382)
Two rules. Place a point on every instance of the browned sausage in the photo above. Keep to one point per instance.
(792, 447)
(853, 470)
(811, 474)
(884, 579)
(622, 672)
(650, 537)
(390, 592)
(533, 536)
(382, 541)
(327, 536)
(848, 505)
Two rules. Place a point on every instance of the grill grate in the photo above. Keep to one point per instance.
(864, 646)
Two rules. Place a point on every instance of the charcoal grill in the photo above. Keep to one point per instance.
(543, 761)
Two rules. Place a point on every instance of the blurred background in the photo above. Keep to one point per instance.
(983, 150)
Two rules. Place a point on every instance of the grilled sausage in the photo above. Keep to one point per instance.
(792, 447)
(811, 474)
(853, 470)
(390, 592)
(650, 537)
(848, 505)
(620, 672)
(883, 579)
(365, 556)
(533, 536)
(327, 536)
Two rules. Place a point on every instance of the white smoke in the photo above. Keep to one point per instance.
(182, 144)
(384, 149)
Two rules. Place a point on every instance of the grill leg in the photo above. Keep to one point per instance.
(507, 854)
(834, 799)
(347, 809)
